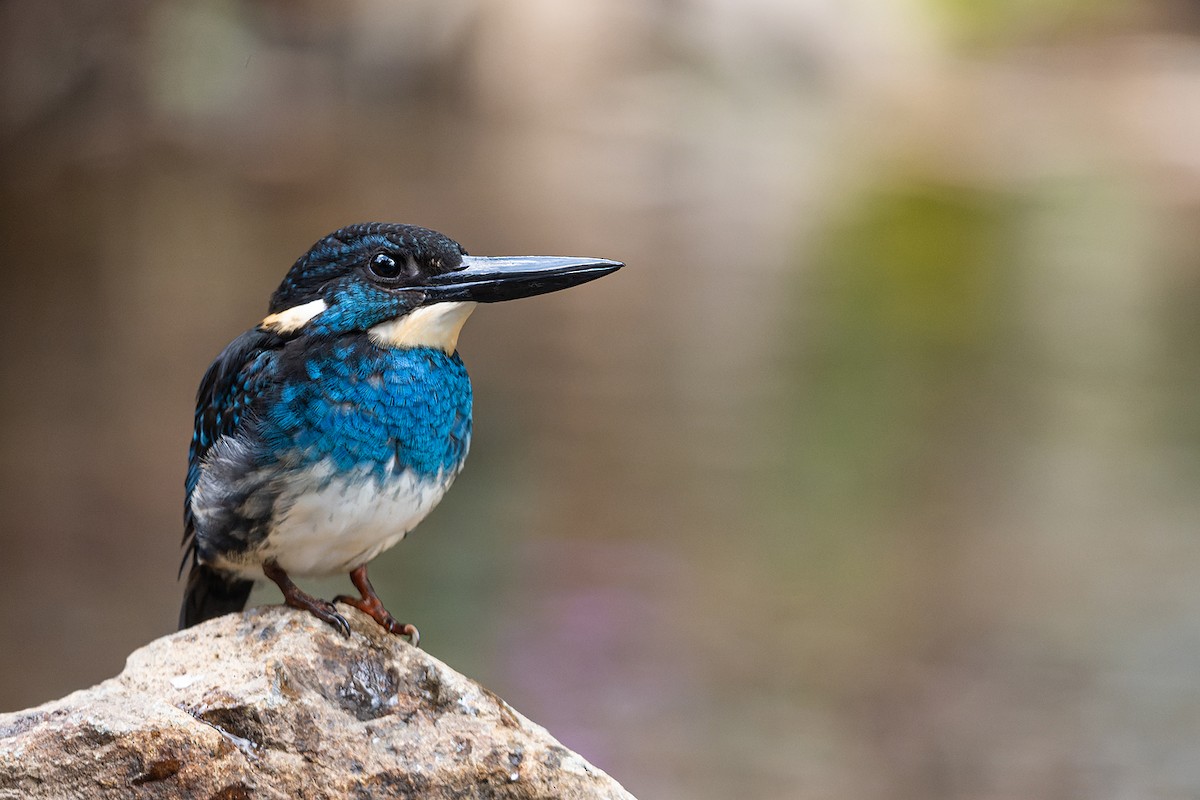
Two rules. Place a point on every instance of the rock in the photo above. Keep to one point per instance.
(273, 703)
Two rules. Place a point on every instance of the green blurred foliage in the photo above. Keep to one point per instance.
(906, 301)
(986, 23)
(913, 274)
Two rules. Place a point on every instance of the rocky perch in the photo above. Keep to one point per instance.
(275, 704)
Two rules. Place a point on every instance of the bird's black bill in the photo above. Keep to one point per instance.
(491, 279)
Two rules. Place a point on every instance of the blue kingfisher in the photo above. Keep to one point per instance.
(328, 431)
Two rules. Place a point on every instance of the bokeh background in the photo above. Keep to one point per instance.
(873, 475)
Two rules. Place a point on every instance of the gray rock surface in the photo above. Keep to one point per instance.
(275, 704)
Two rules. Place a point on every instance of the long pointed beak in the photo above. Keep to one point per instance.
(490, 279)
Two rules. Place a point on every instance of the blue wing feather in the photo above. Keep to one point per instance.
(226, 399)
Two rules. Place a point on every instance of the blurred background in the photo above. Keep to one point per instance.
(873, 475)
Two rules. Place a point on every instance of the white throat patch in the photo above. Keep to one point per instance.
(293, 319)
(436, 326)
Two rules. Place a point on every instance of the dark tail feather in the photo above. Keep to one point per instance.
(211, 593)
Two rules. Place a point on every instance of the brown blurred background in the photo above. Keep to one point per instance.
(873, 475)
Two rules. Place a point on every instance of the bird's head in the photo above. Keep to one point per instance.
(408, 286)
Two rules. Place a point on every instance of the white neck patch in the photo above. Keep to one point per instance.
(436, 326)
(293, 319)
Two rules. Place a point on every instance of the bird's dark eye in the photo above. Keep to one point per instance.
(384, 266)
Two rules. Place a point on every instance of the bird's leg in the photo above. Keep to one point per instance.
(372, 606)
(296, 597)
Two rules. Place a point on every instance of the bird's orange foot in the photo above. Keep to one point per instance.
(374, 609)
(372, 606)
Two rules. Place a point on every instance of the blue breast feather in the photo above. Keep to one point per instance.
(362, 406)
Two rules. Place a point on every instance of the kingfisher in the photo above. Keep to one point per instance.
(328, 431)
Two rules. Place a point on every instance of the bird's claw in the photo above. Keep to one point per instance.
(390, 625)
(407, 629)
(339, 622)
(326, 612)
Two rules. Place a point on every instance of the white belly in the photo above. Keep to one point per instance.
(327, 526)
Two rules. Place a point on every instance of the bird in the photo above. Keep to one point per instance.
(329, 430)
